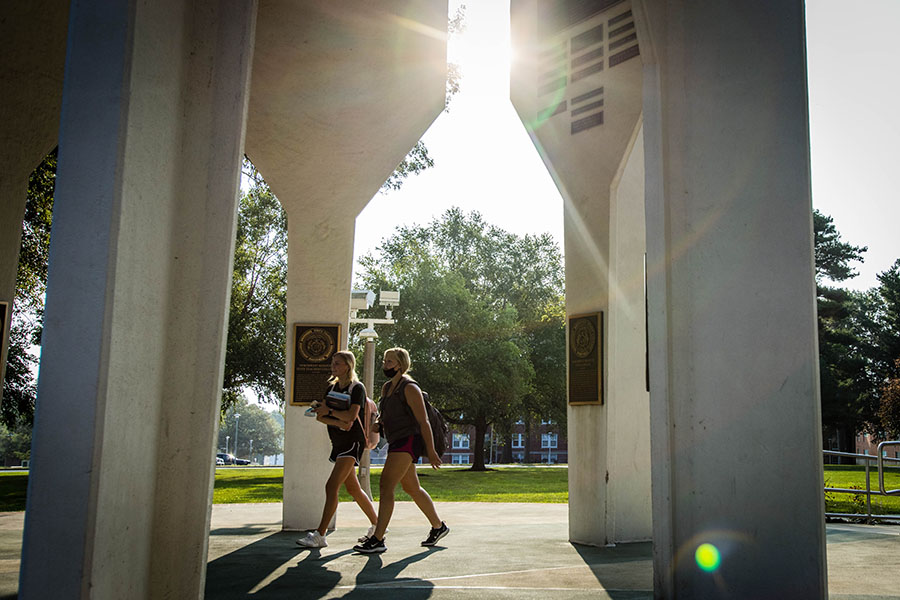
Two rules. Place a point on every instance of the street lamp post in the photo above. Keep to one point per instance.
(236, 419)
(227, 437)
(251, 452)
(362, 300)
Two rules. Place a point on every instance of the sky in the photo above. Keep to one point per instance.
(485, 161)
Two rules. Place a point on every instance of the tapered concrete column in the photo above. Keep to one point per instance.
(628, 514)
(31, 72)
(734, 384)
(151, 137)
(576, 86)
(366, 79)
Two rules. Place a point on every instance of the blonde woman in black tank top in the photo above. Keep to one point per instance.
(409, 438)
(347, 444)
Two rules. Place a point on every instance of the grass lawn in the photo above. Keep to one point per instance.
(850, 476)
(454, 484)
(449, 484)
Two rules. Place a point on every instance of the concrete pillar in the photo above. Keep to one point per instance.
(577, 89)
(319, 272)
(370, 78)
(151, 136)
(735, 423)
(31, 71)
(628, 514)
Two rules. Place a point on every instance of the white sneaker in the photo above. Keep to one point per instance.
(313, 539)
(370, 532)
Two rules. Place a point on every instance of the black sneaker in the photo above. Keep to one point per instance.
(435, 534)
(372, 545)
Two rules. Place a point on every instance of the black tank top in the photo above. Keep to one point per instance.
(397, 418)
(357, 393)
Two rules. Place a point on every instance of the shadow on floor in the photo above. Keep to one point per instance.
(616, 568)
(243, 574)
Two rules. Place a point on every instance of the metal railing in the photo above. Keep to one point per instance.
(880, 460)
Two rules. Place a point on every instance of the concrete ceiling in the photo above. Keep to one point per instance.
(340, 91)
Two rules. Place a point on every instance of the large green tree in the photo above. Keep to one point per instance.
(19, 389)
(15, 443)
(882, 328)
(254, 355)
(254, 425)
(889, 408)
(478, 308)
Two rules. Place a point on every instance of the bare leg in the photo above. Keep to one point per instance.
(396, 464)
(354, 489)
(411, 485)
(342, 467)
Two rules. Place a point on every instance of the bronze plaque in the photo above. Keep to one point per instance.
(314, 345)
(586, 359)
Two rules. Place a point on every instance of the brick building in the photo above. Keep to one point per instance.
(545, 443)
(867, 444)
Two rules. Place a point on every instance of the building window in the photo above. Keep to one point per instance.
(518, 440)
(520, 422)
(518, 457)
(546, 421)
(549, 440)
(461, 440)
(460, 459)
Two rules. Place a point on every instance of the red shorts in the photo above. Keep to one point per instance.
(412, 445)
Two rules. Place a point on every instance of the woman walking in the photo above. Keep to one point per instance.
(347, 443)
(404, 422)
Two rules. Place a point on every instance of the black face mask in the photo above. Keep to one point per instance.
(389, 372)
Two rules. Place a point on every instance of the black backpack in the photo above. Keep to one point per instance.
(439, 430)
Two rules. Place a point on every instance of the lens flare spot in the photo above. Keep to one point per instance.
(707, 557)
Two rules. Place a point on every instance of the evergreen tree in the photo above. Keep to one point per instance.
(844, 381)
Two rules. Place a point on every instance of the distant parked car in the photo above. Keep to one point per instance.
(227, 459)
(241, 461)
(219, 461)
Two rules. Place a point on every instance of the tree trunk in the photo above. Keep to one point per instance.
(503, 439)
(480, 428)
(527, 452)
(506, 450)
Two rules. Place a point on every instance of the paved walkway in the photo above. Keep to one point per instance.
(495, 551)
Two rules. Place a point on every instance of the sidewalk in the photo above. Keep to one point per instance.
(502, 551)
(494, 550)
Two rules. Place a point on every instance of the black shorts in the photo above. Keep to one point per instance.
(413, 445)
(351, 449)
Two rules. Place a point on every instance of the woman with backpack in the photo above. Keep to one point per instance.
(348, 440)
(404, 421)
